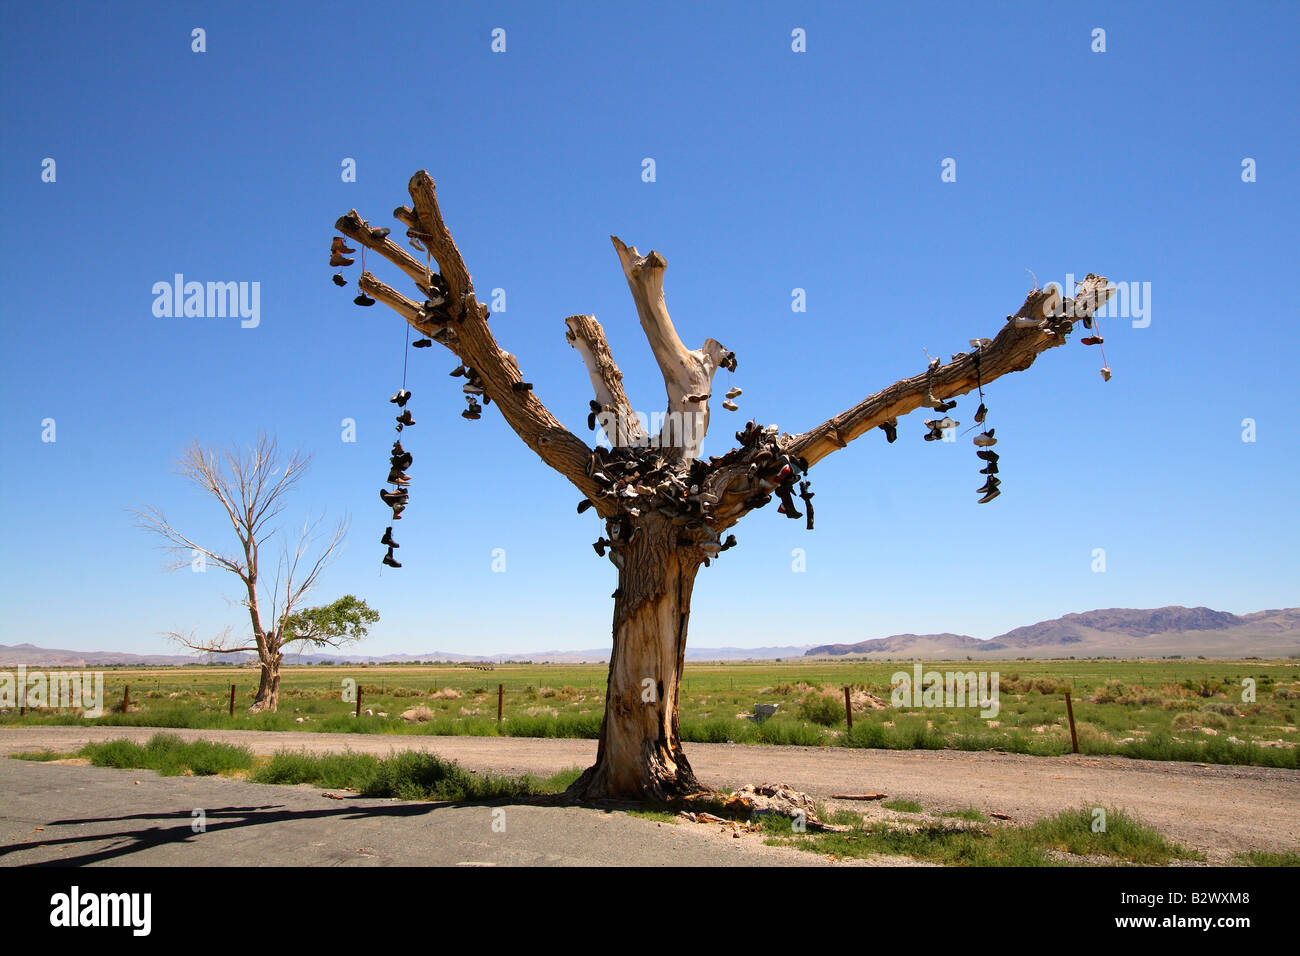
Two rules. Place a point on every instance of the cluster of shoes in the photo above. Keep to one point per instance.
(434, 310)
(339, 253)
(398, 462)
(985, 441)
(473, 389)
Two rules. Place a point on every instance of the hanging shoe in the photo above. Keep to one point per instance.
(980, 414)
(987, 455)
(939, 424)
(388, 538)
(401, 398)
(990, 469)
(457, 372)
(339, 280)
(390, 560)
(1105, 372)
(397, 477)
(380, 234)
(405, 418)
(470, 389)
(1092, 340)
(338, 245)
(422, 343)
(363, 299)
(397, 511)
(521, 386)
(980, 343)
(729, 543)
(890, 428)
(337, 260)
(600, 544)
(394, 498)
(729, 405)
(985, 439)
(988, 486)
(989, 497)
(734, 392)
(584, 504)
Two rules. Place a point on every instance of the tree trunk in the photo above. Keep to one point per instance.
(268, 689)
(640, 755)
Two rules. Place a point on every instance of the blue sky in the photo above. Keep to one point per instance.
(775, 170)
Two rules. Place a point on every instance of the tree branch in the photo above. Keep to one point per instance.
(586, 335)
(688, 375)
(469, 337)
(1040, 324)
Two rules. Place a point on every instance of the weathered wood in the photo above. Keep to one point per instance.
(686, 372)
(1013, 350)
(585, 334)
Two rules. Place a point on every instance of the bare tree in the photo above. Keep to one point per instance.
(664, 508)
(252, 485)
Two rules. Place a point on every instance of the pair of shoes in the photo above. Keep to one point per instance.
(988, 486)
(985, 439)
(397, 477)
(937, 426)
(363, 300)
(890, 428)
(339, 253)
(394, 498)
(475, 410)
(405, 418)
(401, 398)
(596, 409)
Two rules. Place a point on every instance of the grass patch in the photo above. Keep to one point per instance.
(1259, 858)
(970, 814)
(169, 755)
(407, 776)
(39, 755)
(1125, 840)
(903, 806)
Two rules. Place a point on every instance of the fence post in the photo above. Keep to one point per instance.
(501, 697)
(232, 700)
(126, 698)
(358, 700)
(848, 707)
(1069, 710)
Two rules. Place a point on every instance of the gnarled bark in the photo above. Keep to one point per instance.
(640, 754)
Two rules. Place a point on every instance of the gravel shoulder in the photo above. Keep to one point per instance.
(1222, 810)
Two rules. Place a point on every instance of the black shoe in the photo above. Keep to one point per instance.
(584, 504)
(405, 418)
(339, 280)
(401, 398)
(457, 372)
(388, 538)
(990, 469)
(422, 344)
(402, 461)
(599, 545)
(988, 486)
(986, 455)
(380, 234)
(363, 299)
(522, 386)
(728, 544)
(390, 560)
(980, 414)
(989, 497)
(890, 429)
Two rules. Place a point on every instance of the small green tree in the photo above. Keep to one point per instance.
(344, 622)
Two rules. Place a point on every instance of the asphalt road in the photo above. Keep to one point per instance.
(1219, 809)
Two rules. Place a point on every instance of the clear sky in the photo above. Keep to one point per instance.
(775, 170)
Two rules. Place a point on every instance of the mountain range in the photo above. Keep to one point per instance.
(1110, 632)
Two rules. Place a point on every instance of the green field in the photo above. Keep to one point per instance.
(1156, 709)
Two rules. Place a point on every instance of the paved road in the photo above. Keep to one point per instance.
(1221, 810)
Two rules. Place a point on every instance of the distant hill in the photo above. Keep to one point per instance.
(1110, 632)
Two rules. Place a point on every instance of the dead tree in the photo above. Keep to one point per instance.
(252, 485)
(665, 509)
